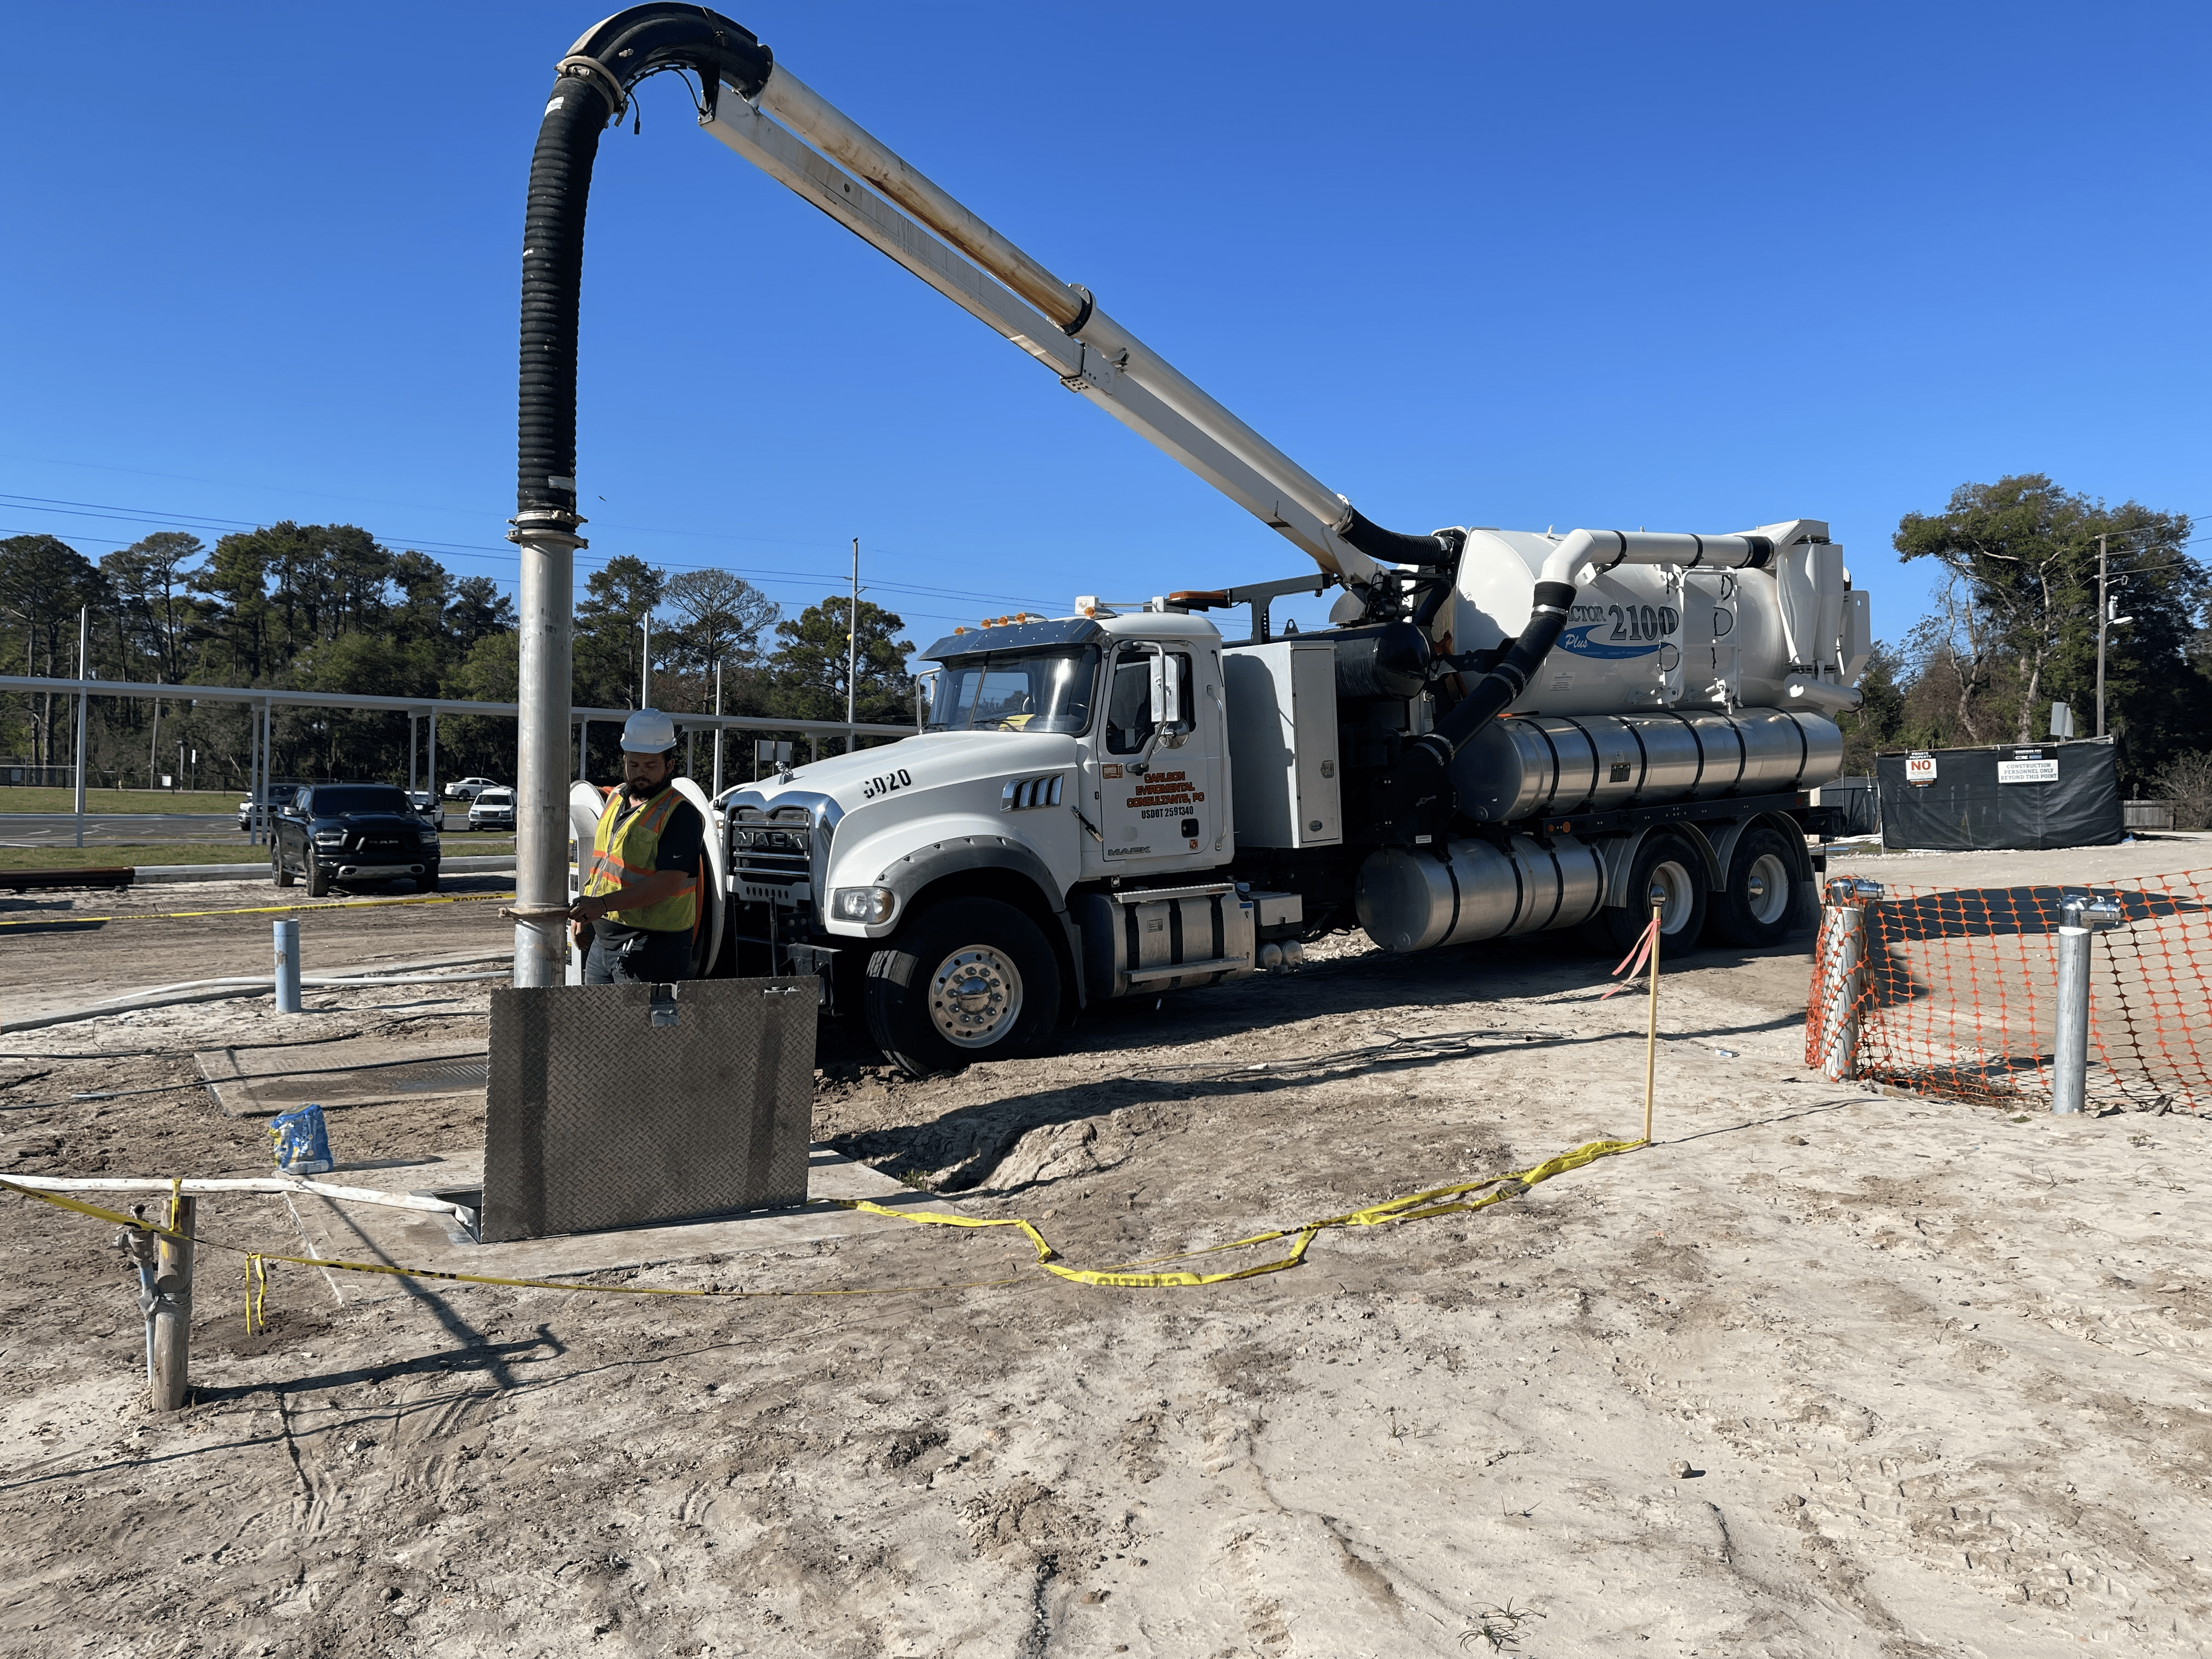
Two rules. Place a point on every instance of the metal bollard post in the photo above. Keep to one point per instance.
(2080, 916)
(1842, 972)
(288, 966)
(171, 1316)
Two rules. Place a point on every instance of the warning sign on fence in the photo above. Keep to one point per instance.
(2073, 800)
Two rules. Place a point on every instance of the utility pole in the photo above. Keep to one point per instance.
(2104, 609)
(853, 655)
(718, 730)
(644, 665)
(83, 639)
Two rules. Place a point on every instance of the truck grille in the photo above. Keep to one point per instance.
(772, 856)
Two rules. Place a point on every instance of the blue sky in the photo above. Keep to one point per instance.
(1691, 267)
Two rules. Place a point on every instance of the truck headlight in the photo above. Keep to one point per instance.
(330, 838)
(870, 904)
(427, 838)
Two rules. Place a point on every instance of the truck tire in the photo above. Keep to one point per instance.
(1670, 865)
(1755, 907)
(967, 980)
(278, 872)
(319, 878)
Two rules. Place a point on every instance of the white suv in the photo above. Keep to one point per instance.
(492, 809)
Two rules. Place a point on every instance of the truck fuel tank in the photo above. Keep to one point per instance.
(1527, 764)
(1411, 898)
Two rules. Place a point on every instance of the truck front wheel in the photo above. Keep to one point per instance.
(968, 979)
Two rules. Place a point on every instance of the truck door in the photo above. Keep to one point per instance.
(1160, 771)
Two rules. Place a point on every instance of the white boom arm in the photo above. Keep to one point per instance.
(1058, 324)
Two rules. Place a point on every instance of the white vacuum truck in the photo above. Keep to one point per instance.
(1499, 733)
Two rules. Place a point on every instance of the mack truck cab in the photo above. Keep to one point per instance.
(963, 889)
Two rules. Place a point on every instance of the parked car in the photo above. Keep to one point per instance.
(280, 796)
(352, 832)
(432, 810)
(493, 808)
(469, 788)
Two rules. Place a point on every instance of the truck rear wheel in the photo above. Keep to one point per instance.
(967, 980)
(1755, 907)
(1669, 871)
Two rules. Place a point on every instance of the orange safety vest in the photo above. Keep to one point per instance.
(623, 849)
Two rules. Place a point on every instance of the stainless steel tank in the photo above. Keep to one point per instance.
(1527, 764)
(1410, 899)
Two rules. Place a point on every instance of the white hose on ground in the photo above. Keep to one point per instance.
(244, 1184)
(216, 990)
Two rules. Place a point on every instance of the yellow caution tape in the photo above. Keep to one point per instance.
(259, 909)
(1414, 1206)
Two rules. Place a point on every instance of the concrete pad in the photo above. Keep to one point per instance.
(415, 1238)
(262, 1081)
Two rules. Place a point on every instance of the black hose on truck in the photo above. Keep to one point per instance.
(592, 90)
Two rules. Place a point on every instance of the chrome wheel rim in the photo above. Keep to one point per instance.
(1671, 890)
(1766, 889)
(975, 996)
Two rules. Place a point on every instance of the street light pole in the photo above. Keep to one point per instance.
(717, 729)
(644, 665)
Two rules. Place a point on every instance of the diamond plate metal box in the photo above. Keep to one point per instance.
(621, 1105)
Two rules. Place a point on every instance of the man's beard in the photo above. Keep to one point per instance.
(638, 789)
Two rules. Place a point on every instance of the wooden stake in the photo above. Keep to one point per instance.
(1651, 1031)
(173, 1310)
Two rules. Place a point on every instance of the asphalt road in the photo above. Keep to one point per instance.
(138, 829)
(115, 829)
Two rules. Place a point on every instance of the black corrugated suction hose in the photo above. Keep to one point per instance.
(552, 284)
(602, 69)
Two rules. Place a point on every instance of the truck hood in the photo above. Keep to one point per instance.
(930, 761)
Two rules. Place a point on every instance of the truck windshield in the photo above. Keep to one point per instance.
(1035, 691)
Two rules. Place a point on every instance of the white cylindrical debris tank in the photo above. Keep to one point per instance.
(1640, 636)
(1527, 764)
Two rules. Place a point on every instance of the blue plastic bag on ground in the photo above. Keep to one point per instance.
(303, 1141)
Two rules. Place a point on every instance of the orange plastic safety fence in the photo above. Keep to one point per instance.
(1958, 995)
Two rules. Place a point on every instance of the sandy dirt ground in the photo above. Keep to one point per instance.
(1823, 1371)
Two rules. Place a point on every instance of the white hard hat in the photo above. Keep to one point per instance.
(649, 732)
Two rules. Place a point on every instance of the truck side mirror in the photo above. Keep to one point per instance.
(1167, 691)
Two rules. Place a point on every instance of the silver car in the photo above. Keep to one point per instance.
(492, 809)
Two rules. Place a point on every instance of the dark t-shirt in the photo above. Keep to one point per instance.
(683, 838)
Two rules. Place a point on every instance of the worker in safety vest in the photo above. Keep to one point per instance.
(641, 896)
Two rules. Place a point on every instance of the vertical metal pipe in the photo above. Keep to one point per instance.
(2069, 1082)
(547, 620)
(411, 785)
(2081, 916)
(173, 1309)
(288, 965)
(645, 665)
(1843, 975)
(584, 750)
(83, 640)
(430, 757)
